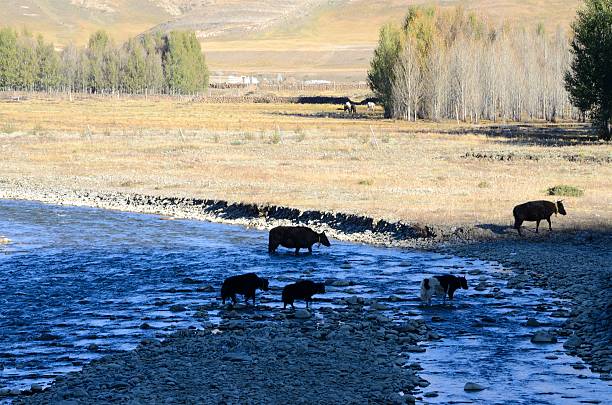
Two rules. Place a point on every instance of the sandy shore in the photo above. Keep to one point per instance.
(575, 265)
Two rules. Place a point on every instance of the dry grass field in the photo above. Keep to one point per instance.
(305, 156)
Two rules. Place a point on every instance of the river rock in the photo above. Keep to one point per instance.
(236, 356)
(414, 349)
(379, 307)
(470, 386)
(302, 314)
(543, 336)
(533, 322)
(341, 283)
(572, 342)
(37, 387)
(5, 392)
(177, 308)
(354, 300)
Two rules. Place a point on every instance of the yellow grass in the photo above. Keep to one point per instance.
(291, 155)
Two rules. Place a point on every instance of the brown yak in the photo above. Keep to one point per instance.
(536, 211)
(295, 237)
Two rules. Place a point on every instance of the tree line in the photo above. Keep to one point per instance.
(151, 63)
(454, 65)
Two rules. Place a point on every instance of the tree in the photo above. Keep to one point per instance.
(27, 68)
(184, 65)
(381, 73)
(133, 78)
(589, 80)
(48, 72)
(8, 58)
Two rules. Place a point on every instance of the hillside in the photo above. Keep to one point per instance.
(327, 39)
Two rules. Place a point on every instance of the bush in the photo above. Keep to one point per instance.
(565, 191)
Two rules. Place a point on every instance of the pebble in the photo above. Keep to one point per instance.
(543, 336)
(302, 314)
(533, 322)
(177, 308)
(470, 386)
(237, 357)
(37, 387)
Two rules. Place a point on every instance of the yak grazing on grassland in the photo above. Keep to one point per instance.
(536, 211)
(303, 290)
(295, 237)
(244, 284)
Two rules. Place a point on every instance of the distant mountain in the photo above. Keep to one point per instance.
(330, 39)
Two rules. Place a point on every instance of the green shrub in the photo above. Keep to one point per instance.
(565, 191)
(366, 182)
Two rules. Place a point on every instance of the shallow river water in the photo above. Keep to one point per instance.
(78, 283)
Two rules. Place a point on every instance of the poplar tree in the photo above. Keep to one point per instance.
(589, 81)
(8, 58)
(48, 68)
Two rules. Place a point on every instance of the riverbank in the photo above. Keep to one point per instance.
(346, 356)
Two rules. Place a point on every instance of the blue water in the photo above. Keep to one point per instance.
(78, 283)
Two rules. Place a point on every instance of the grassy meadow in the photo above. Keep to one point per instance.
(306, 156)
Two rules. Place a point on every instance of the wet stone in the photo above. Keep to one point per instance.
(533, 322)
(543, 337)
(470, 386)
(178, 308)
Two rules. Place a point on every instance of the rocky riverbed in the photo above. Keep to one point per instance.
(338, 356)
(577, 267)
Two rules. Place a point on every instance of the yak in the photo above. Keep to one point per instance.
(536, 211)
(303, 289)
(441, 286)
(295, 237)
(244, 284)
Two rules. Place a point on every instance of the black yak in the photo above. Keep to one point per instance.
(536, 211)
(244, 284)
(303, 290)
(295, 237)
(441, 286)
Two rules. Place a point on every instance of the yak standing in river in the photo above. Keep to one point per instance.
(441, 286)
(536, 211)
(244, 284)
(303, 290)
(295, 237)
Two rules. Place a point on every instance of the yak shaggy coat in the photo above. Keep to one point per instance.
(303, 290)
(536, 211)
(244, 284)
(441, 286)
(295, 237)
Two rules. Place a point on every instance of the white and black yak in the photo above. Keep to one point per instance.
(303, 290)
(536, 211)
(244, 284)
(295, 237)
(441, 286)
